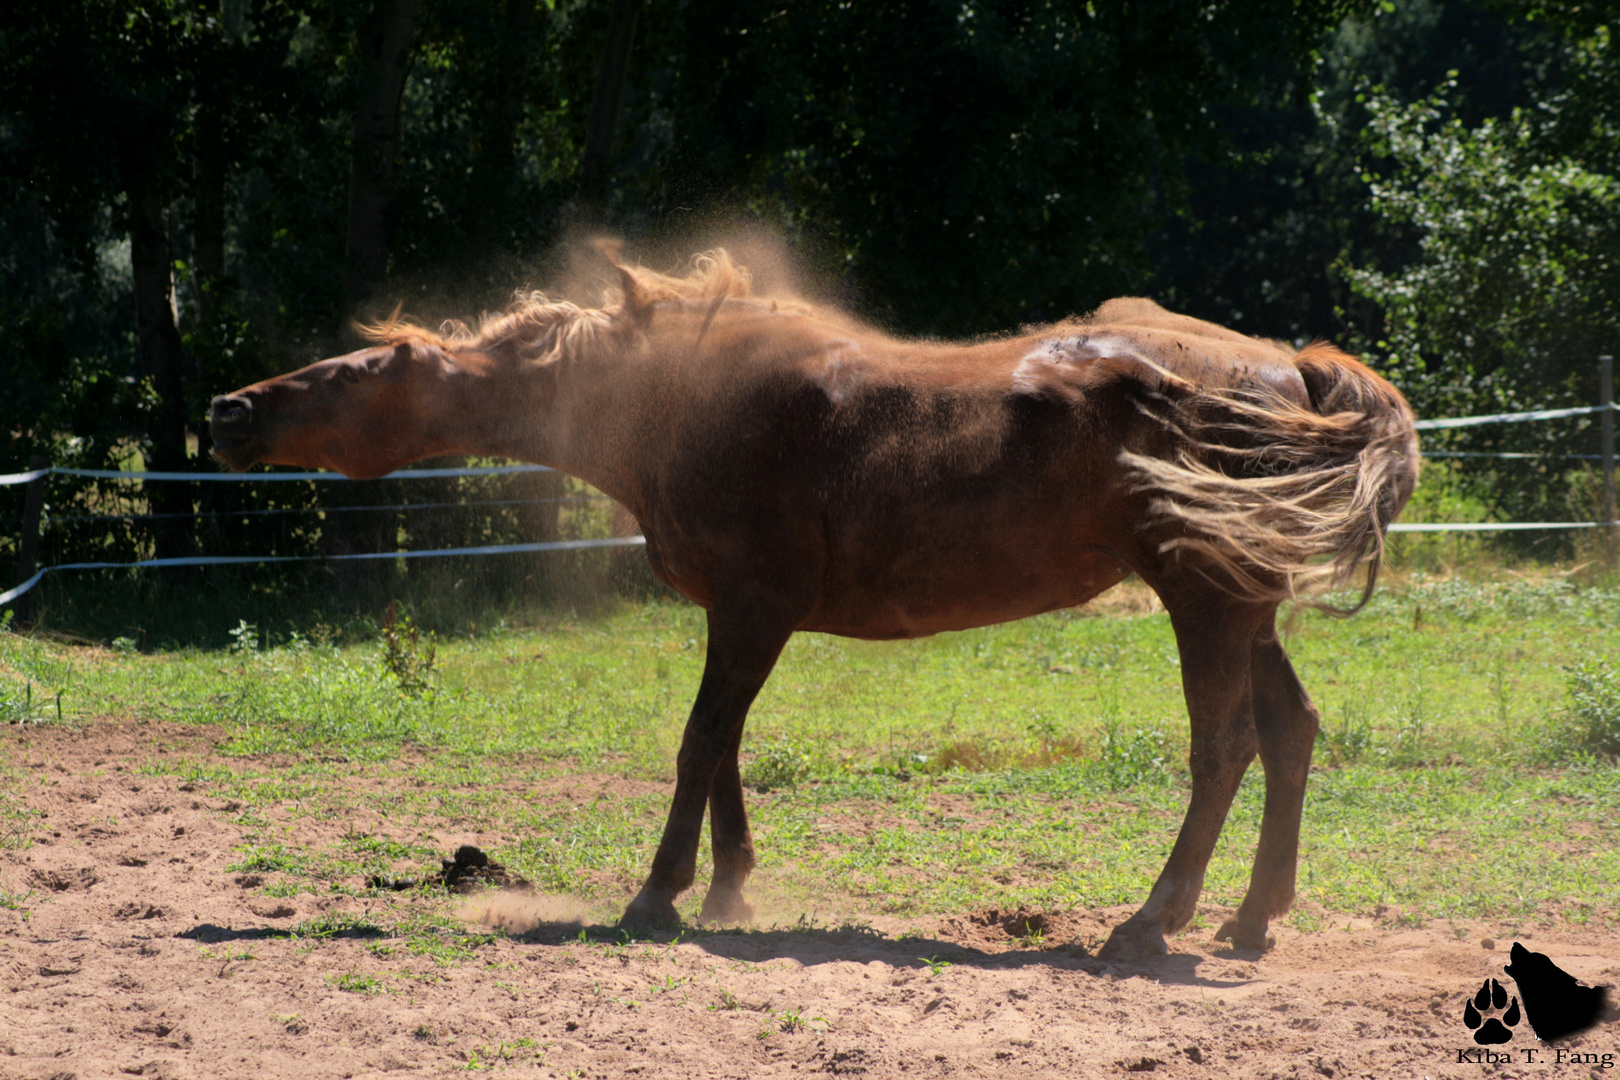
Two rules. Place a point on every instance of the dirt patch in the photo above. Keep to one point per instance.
(141, 955)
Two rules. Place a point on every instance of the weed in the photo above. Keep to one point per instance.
(16, 901)
(443, 945)
(729, 1001)
(19, 708)
(268, 859)
(1500, 692)
(337, 924)
(1307, 922)
(355, 983)
(1411, 734)
(506, 1053)
(778, 764)
(1591, 722)
(670, 983)
(1353, 739)
(405, 656)
(244, 639)
(935, 964)
(1133, 757)
(790, 1020)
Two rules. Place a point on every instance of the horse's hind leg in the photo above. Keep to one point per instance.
(732, 842)
(1214, 635)
(744, 643)
(1286, 723)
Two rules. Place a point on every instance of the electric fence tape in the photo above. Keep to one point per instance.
(226, 560)
(570, 545)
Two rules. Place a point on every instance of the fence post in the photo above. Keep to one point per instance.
(28, 544)
(1611, 531)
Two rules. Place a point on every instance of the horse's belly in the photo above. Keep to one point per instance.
(972, 593)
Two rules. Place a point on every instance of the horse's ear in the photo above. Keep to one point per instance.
(636, 300)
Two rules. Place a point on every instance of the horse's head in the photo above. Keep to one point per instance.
(363, 415)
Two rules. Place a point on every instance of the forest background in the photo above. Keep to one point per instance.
(195, 195)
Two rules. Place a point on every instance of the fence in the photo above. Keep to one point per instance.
(29, 573)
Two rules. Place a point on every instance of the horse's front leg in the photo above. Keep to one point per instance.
(1214, 636)
(744, 643)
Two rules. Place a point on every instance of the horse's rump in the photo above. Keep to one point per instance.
(1282, 500)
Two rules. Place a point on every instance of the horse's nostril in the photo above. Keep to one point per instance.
(230, 411)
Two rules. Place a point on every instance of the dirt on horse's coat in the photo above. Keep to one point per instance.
(793, 469)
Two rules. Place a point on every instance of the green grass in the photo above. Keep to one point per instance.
(1040, 762)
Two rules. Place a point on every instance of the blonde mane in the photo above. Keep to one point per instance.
(541, 329)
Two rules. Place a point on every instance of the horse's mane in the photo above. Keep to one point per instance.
(542, 329)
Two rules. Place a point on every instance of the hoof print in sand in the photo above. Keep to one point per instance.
(1492, 1030)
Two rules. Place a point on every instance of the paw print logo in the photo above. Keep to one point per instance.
(1490, 1031)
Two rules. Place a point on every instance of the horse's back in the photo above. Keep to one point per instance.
(1204, 353)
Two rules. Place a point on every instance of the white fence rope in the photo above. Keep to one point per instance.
(225, 560)
(567, 545)
(1512, 417)
(1497, 526)
(402, 474)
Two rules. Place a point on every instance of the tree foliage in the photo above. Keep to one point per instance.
(1517, 283)
(1515, 287)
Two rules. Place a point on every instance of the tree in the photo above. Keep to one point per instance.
(1516, 285)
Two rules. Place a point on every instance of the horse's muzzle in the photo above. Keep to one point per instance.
(230, 421)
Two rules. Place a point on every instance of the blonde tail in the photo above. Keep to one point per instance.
(1286, 501)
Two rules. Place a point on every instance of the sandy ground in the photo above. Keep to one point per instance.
(134, 961)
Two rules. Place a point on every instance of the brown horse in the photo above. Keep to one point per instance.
(794, 470)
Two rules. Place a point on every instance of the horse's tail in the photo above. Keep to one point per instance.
(1285, 501)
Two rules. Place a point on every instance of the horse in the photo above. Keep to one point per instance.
(794, 469)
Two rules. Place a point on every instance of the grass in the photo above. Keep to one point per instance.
(1040, 762)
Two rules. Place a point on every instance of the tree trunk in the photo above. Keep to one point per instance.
(494, 163)
(208, 220)
(158, 349)
(383, 53)
(604, 120)
(209, 173)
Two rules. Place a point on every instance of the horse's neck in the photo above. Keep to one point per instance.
(583, 425)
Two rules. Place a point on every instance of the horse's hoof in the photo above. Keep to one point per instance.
(1133, 944)
(728, 909)
(649, 913)
(1246, 937)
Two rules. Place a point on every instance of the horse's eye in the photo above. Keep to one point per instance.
(350, 375)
